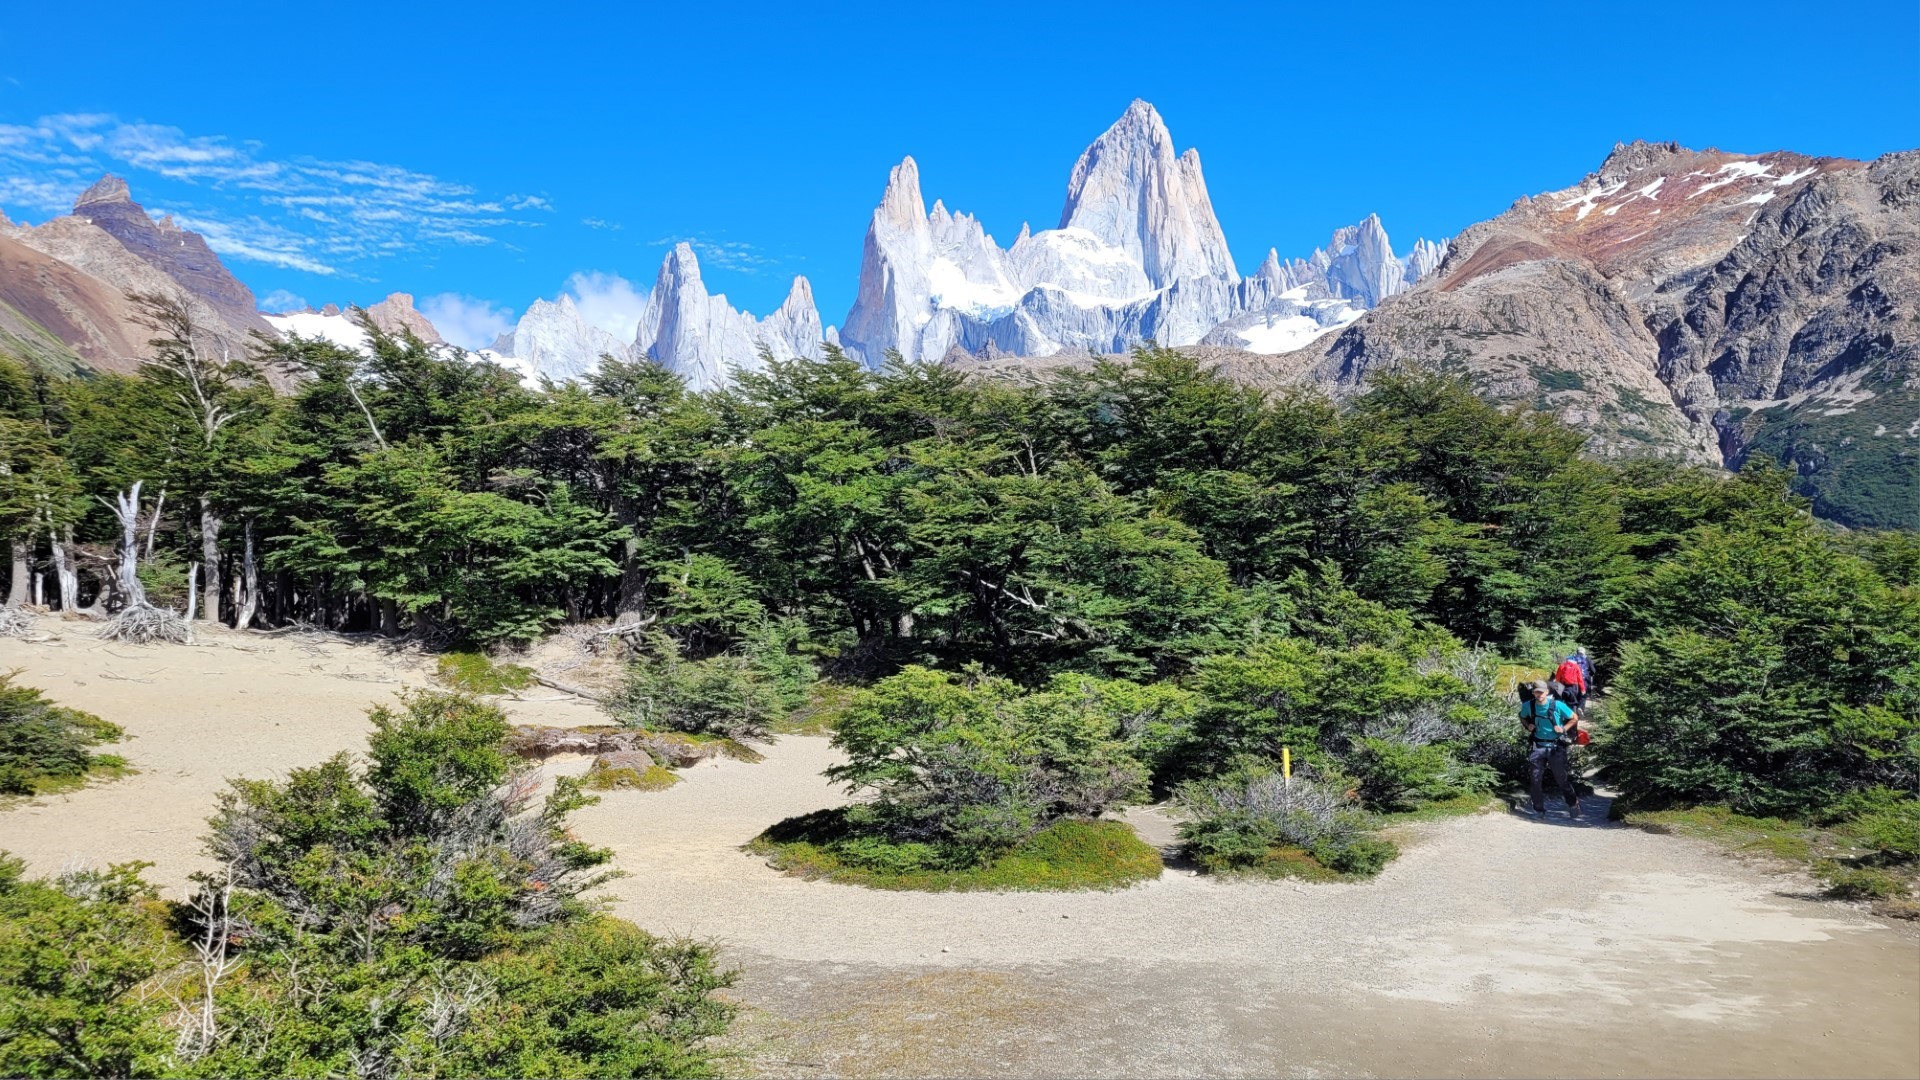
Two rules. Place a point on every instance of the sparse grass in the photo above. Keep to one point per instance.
(725, 747)
(474, 673)
(1280, 861)
(1461, 805)
(1554, 381)
(826, 701)
(1835, 855)
(1770, 837)
(1066, 855)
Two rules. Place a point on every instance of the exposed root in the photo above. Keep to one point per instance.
(143, 624)
(15, 623)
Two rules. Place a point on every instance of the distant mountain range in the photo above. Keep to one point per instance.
(1695, 305)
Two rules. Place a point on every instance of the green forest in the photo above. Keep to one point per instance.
(1016, 607)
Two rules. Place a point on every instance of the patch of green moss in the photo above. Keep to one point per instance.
(475, 673)
(1773, 837)
(1067, 855)
(654, 778)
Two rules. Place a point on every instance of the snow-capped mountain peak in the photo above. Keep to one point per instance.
(1131, 191)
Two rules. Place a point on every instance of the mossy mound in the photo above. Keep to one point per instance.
(629, 778)
(1067, 855)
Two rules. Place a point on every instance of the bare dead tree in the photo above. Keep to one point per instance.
(247, 597)
(214, 959)
(138, 621)
(202, 370)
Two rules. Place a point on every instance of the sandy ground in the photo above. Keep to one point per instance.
(1495, 946)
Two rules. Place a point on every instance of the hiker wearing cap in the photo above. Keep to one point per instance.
(1551, 725)
(1586, 666)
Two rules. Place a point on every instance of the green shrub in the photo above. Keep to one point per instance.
(474, 673)
(86, 965)
(742, 695)
(1542, 648)
(975, 763)
(436, 833)
(1363, 857)
(1861, 882)
(1253, 819)
(41, 742)
(425, 918)
(1779, 676)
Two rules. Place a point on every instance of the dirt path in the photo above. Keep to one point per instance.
(235, 705)
(1494, 946)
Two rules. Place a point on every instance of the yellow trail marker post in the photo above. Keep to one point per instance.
(1286, 764)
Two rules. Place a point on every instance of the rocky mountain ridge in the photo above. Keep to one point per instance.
(1138, 255)
(1697, 304)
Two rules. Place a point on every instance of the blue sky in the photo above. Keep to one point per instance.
(488, 154)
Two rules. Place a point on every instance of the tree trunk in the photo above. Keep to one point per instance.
(153, 527)
(389, 618)
(127, 509)
(210, 559)
(17, 590)
(247, 597)
(193, 582)
(39, 589)
(631, 606)
(65, 574)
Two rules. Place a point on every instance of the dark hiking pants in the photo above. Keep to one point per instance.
(1539, 759)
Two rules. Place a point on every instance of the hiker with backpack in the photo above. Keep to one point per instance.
(1552, 727)
(1570, 680)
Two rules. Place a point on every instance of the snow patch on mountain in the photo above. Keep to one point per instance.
(1138, 255)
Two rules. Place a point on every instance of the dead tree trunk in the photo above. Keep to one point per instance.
(127, 509)
(17, 590)
(247, 596)
(159, 505)
(138, 621)
(210, 559)
(66, 575)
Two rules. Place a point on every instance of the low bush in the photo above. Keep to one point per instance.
(976, 764)
(1254, 820)
(1846, 882)
(86, 961)
(738, 695)
(420, 917)
(474, 673)
(1071, 854)
(45, 746)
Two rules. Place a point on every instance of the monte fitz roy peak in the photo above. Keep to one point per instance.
(1138, 255)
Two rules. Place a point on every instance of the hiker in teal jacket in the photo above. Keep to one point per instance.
(1550, 729)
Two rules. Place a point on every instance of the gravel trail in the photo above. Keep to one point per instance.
(1495, 945)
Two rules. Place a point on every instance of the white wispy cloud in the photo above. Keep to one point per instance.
(607, 301)
(737, 255)
(298, 212)
(466, 321)
(600, 223)
(280, 300)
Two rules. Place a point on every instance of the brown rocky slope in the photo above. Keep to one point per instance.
(1701, 305)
